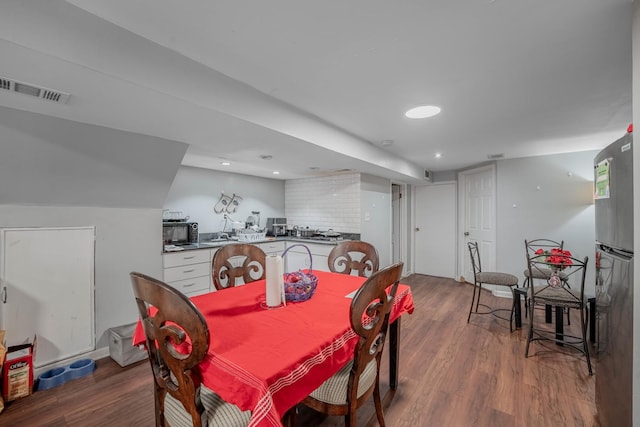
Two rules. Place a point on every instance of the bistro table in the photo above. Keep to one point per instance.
(520, 292)
(267, 360)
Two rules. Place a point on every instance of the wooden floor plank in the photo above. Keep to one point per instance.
(451, 373)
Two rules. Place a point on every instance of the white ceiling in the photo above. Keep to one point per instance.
(320, 85)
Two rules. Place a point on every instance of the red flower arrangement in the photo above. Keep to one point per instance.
(559, 258)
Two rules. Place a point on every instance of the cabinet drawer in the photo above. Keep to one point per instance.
(186, 258)
(315, 248)
(272, 247)
(192, 287)
(183, 272)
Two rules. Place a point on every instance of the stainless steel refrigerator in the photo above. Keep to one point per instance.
(613, 169)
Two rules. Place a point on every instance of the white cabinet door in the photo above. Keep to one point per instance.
(297, 258)
(296, 261)
(47, 290)
(320, 262)
(272, 248)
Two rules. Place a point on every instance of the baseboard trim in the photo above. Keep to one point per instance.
(501, 293)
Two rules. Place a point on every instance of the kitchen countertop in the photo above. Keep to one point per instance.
(219, 243)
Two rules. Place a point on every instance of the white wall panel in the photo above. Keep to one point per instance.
(324, 202)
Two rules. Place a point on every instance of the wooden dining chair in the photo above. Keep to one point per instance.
(237, 261)
(351, 386)
(489, 278)
(354, 256)
(177, 339)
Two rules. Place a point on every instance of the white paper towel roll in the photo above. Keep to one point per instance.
(275, 285)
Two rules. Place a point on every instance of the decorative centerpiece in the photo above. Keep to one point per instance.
(558, 259)
(300, 285)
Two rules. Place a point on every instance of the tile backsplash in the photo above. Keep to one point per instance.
(324, 202)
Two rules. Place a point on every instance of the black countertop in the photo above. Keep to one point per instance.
(219, 243)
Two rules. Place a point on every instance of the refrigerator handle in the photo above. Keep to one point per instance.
(618, 253)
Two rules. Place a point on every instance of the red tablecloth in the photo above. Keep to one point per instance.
(268, 360)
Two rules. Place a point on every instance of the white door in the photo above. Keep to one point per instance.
(396, 195)
(47, 290)
(435, 230)
(477, 207)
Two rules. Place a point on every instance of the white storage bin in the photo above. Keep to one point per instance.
(121, 348)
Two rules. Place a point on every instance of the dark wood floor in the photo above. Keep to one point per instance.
(452, 374)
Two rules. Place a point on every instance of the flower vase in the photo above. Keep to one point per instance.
(554, 280)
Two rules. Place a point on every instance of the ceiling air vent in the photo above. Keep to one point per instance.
(33, 90)
(495, 156)
(427, 175)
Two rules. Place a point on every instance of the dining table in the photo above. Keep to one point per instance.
(268, 359)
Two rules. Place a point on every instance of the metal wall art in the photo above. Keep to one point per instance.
(227, 204)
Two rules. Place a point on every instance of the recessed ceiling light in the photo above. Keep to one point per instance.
(422, 112)
(276, 172)
(437, 155)
(225, 163)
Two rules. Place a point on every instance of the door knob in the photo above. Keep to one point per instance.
(417, 228)
(466, 233)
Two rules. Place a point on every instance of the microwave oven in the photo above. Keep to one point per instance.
(179, 233)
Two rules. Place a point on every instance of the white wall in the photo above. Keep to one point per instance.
(347, 203)
(375, 219)
(325, 202)
(59, 173)
(50, 161)
(545, 197)
(196, 191)
(126, 240)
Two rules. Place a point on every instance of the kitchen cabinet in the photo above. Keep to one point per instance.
(189, 271)
(272, 248)
(297, 258)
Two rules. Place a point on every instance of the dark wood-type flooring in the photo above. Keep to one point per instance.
(451, 374)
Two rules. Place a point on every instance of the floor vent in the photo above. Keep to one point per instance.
(33, 90)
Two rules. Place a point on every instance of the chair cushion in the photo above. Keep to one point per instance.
(217, 412)
(334, 390)
(495, 278)
(557, 296)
